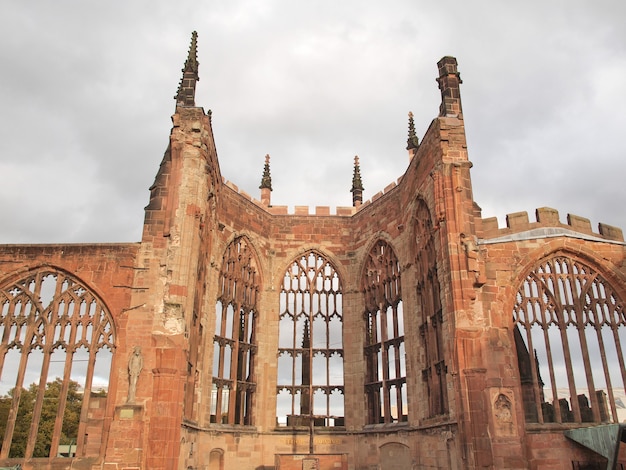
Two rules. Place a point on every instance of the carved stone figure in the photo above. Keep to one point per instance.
(135, 364)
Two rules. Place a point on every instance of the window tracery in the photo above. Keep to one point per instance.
(234, 381)
(429, 304)
(570, 334)
(385, 383)
(310, 353)
(58, 336)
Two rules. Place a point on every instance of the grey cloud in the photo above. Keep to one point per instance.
(87, 93)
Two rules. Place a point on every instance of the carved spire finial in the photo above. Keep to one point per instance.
(266, 180)
(186, 93)
(357, 184)
(266, 183)
(412, 142)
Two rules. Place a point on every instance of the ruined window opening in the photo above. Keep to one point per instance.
(431, 312)
(234, 382)
(196, 334)
(310, 352)
(385, 383)
(570, 335)
(57, 339)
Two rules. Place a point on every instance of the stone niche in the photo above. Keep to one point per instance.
(503, 412)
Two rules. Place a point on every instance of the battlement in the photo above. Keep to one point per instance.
(546, 217)
(340, 211)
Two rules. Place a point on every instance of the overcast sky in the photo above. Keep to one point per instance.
(87, 93)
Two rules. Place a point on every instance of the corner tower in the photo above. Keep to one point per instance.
(169, 289)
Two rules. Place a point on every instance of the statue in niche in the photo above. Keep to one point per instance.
(135, 364)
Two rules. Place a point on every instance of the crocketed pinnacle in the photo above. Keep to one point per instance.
(186, 93)
(357, 184)
(266, 180)
(412, 142)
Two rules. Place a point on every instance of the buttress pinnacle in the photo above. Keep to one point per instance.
(412, 142)
(266, 180)
(186, 93)
(357, 185)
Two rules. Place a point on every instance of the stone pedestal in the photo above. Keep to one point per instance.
(126, 437)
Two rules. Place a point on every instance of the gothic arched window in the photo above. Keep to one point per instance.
(53, 328)
(431, 313)
(570, 335)
(385, 356)
(235, 347)
(310, 345)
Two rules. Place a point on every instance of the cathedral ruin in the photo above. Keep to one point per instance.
(402, 332)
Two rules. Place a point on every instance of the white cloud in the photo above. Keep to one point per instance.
(87, 94)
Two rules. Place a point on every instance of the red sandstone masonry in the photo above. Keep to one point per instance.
(162, 294)
(545, 217)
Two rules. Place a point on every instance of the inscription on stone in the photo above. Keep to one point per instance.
(318, 441)
(310, 464)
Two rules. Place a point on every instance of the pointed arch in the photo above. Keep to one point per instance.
(385, 357)
(569, 327)
(235, 343)
(52, 327)
(310, 345)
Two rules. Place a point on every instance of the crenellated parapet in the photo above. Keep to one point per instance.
(547, 224)
(341, 211)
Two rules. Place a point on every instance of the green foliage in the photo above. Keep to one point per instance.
(28, 397)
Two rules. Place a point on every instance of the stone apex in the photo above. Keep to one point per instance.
(186, 93)
(546, 217)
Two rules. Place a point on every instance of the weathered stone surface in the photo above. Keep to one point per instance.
(162, 294)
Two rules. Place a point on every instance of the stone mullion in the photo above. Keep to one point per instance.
(17, 391)
(620, 355)
(605, 367)
(398, 341)
(580, 327)
(43, 379)
(385, 364)
(84, 409)
(399, 403)
(58, 422)
(220, 376)
(598, 325)
(311, 289)
(538, 305)
(7, 321)
(326, 319)
(546, 339)
(560, 312)
(49, 330)
(375, 335)
(591, 389)
(234, 363)
(251, 359)
(243, 362)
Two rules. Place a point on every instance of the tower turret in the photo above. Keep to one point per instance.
(449, 81)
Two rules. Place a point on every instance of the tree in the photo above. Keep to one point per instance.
(71, 417)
